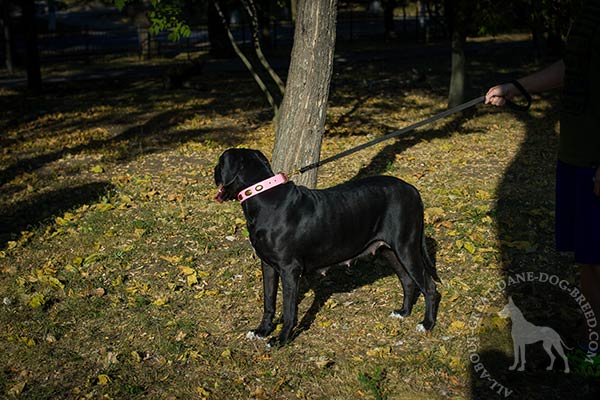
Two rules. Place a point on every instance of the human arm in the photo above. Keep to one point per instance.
(548, 78)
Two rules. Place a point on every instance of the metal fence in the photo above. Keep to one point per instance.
(91, 44)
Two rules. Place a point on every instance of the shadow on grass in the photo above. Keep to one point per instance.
(388, 154)
(29, 213)
(341, 279)
(524, 212)
(148, 137)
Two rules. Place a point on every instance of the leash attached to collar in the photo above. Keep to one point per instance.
(414, 126)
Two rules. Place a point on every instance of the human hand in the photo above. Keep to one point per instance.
(597, 182)
(497, 95)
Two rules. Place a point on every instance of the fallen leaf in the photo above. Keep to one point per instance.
(16, 389)
(226, 353)
(457, 326)
(203, 393)
(469, 247)
(192, 279)
(37, 300)
(103, 379)
(161, 301)
(172, 259)
(186, 270)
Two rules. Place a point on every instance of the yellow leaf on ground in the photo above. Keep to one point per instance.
(161, 301)
(457, 326)
(192, 279)
(470, 247)
(37, 300)
(186, 270)
(202, 392)
(103, 207)
(172, 259)
(103, 379)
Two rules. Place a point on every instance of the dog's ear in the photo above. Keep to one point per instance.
(263, 160)
(227, 173)
(510, 300)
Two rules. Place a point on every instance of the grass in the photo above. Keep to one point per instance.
(122, 278)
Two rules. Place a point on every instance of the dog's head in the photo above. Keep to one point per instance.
(508, 308)
(238, 169)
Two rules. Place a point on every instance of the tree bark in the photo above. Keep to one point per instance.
(34, 75)
(220, 46)
(456, 11)
(301, 121)
(6, 34)
(456, 94)
(388, 18)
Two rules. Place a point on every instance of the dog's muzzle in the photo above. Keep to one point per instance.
(219, 195)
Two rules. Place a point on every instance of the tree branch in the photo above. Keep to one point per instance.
(245, 60)
(251, 10)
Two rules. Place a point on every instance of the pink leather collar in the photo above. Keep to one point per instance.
(262, 186)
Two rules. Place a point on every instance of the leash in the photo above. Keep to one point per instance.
(416, 125)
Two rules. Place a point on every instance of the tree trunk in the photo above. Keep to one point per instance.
(456, 93)
(6, 34)
(456, 11)
(388, 18)
(220, 46)
(299, 131)
(34, 75)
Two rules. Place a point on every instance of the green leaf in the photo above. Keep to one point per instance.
(37, 300)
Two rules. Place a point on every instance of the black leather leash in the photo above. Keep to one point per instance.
(419, 124)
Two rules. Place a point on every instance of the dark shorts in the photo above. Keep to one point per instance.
(577, 213)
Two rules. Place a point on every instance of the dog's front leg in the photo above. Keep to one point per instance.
(290, 280)
(270, 278)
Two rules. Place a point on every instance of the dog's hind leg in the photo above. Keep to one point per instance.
(561, 352)
(408, 285)
(548, 348)
(270, 279)
(411, 258)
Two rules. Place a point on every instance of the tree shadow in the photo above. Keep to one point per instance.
(388, 154)
(342, 279)
(148, 137)
(29, 213)
(524, 213)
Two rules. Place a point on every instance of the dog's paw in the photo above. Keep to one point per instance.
(421, 328)
(252, 335)
(398, 314)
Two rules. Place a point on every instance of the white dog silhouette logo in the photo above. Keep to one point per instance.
(524, 333)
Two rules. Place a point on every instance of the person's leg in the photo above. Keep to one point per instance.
(589, 330)
(590, 286)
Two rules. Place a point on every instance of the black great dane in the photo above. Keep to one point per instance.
(295, 230)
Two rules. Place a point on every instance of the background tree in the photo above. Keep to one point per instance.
(6, 33)
(301, 121)
(457, 16)
(32, 54)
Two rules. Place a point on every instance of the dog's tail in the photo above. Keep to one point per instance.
(429, 265)
(564, 345)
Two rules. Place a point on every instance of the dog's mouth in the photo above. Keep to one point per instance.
(219, 196)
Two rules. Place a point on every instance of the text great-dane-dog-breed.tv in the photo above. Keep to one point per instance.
(295, 230)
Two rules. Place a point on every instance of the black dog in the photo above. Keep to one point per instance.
(295, 230)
